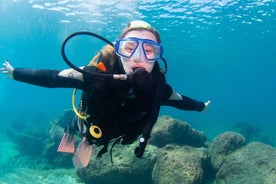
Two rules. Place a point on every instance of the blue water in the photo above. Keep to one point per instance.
(222, 50)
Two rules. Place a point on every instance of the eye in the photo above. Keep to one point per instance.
(129, 47)
(148, 49)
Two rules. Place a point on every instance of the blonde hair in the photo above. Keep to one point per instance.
(107, 55)
(140, 25)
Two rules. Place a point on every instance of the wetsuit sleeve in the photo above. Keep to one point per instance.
(182, 102)
(47, 78)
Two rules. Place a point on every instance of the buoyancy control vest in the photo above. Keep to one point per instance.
(116, 110)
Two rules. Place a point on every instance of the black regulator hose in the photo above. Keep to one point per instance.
(95, 74)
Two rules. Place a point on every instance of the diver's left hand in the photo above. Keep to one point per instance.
(206, 105)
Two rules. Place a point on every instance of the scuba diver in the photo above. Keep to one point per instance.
(122, 108)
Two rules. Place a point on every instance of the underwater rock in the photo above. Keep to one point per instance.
(180, 164)
(254, 163)
(28, 145)
(28, 135)
(248, 130)
(169, 130)
(253, 133)
(126, 167)
(223, 145)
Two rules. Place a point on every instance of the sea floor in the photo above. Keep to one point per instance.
(25, 170)
(15, 168)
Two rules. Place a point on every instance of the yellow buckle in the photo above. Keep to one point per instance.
(95, 131)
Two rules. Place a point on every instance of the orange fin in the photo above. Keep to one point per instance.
(83, 154)
(67, 144)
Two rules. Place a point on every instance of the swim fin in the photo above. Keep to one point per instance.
(67, 143)
(83, 154)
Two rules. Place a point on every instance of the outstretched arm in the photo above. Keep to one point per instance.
(182, 102)
(47, 78)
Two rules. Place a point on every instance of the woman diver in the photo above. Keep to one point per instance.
(120, 110)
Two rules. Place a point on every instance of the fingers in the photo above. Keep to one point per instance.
(207, 103)
(6, 63)
(4, 70)
(7, 69)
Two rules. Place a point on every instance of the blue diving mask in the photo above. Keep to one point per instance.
(127, 47)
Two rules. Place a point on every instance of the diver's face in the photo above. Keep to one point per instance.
(138, 59)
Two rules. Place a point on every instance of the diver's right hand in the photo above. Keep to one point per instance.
(7, 69)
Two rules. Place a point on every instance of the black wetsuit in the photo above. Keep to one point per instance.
(113, 105)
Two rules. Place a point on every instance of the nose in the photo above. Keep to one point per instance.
(138, 55)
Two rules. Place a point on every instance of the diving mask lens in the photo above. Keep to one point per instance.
(127, 47)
